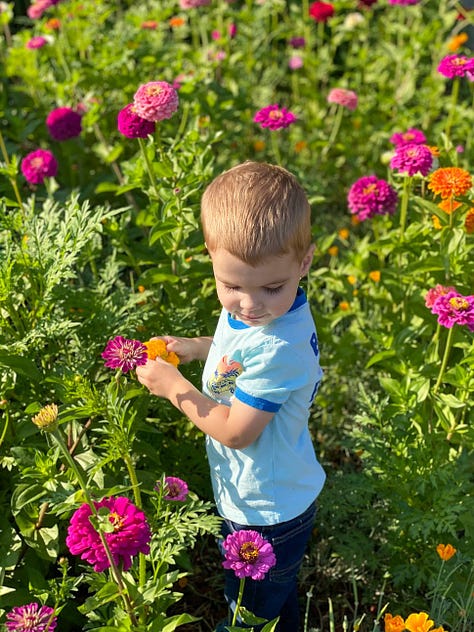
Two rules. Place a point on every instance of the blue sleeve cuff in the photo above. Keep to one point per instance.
(256, 402)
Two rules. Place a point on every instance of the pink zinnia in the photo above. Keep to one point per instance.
(129, 536)
(193, 4)
(155, 101)
(436, 292)
(36, 10)
(412, 159)
(274, 117)
(295, 62)
(125, 354)
(321, 11)
(175, 489)
(36, 42)
(412, 136)
(341, 96)
(31, 618)
(371, 196)
(454, 309)
(64, 123)
(404, 2)
(133, 126)
(456, 66)
(38, 165)
(232, 30)
(248, 554)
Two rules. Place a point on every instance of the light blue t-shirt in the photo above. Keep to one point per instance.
(274, 368)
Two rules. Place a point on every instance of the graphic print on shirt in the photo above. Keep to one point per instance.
(222, 381)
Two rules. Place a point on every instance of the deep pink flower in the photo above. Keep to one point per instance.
(38, 165)
(404, 2)
(297, 42)
(192, 4)
(412, 159)
(133, 126)
(371, 196)
(64, 123)
(36, 42)
(341, 96)
(436, 292)
(321, 11)
(232, 30)
(31, 618)
(274, 117)
(36, 10)
(155, 101)
(248, 554)
(125, 354)
(456, 66)
(412, 136)
(149, 25)
(175, 489)
(130, 535)
(454, 309)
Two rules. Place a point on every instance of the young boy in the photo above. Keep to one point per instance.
(261, 374)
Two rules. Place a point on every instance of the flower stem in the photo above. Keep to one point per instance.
(138, 501)
(454, 100)
(404, 205)
(3, 149)
(447, 349)
(239, 600)
(275, 148)
(148, 166)
(335, 129)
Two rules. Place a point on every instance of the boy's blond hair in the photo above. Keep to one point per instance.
(255, 211)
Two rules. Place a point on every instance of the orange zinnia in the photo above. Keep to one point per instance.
(469, 221)
(394, 624)
(449, 205)
(445, 551)
(176, 21)
(450, 182)
(374, 275)
(457, 41)
(156, 348)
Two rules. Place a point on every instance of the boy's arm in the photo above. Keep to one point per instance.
(189, 349)
(235, 426)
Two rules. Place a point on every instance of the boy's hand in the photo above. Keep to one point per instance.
(188, 349)
(158, 376)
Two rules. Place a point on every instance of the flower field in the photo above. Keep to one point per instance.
(115, 117)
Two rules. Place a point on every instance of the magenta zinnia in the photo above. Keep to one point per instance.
(64, 123)
(31, 618)
(456, 66)
(123, 353)
(248, 554)
(436, 292)
(412, 159)
(454, 309)
(274, 117)
(341, 96)
(155, 101)
(133, 126)
(36, 42)
(412, 136)
(38, 165)
(371, 196)
(174, 489)
(129, 536)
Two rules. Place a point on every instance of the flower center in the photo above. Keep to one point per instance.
(116, 520)
(37, 162)
(408, 136)
(127, 351)
(459, 61)
(248, 552)
(30, 621)
(172, 489)
(275, 115)
(371, 188)
(154, 91)
(458, 303)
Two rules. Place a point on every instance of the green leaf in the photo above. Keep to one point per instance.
(106, 594)
(21, 365)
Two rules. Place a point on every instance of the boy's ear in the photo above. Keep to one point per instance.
(307, 260)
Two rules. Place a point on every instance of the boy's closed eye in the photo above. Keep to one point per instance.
(268, 290)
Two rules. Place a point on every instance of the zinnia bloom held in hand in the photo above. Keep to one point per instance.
(129, 536)
(445, 551)
(31, 618)
(123, 353)
(274, 117)
(248, 554)
(450, 182)
(156, 348)
(412, 136)
(454, 309)
(412, 159)
(175, 489)
(370, 196)
(321, 11)
(133, 126)
(38, 165)
(64, 123)
(456, 66)
(341, 96)
(156, 101)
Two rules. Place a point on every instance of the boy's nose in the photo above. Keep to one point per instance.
(248, 302)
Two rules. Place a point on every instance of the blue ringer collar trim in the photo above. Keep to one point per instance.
(298, 302)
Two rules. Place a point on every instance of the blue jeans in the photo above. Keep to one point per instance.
(276, 594)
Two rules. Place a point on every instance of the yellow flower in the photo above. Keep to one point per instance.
(434, 150)
(343, 233)
(394, 624)
(436, 222)
(469, 221)
(374, 275)
(351, 279)
(141, 289)
(445, 551)
(344, 306)
(457, 41)
(259, 145)
(333, 251)
(156, 348)
(47, 417)
(418, 622)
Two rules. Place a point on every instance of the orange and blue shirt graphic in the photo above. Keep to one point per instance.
(222, 381)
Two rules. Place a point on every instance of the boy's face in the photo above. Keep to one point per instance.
(256, 295)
